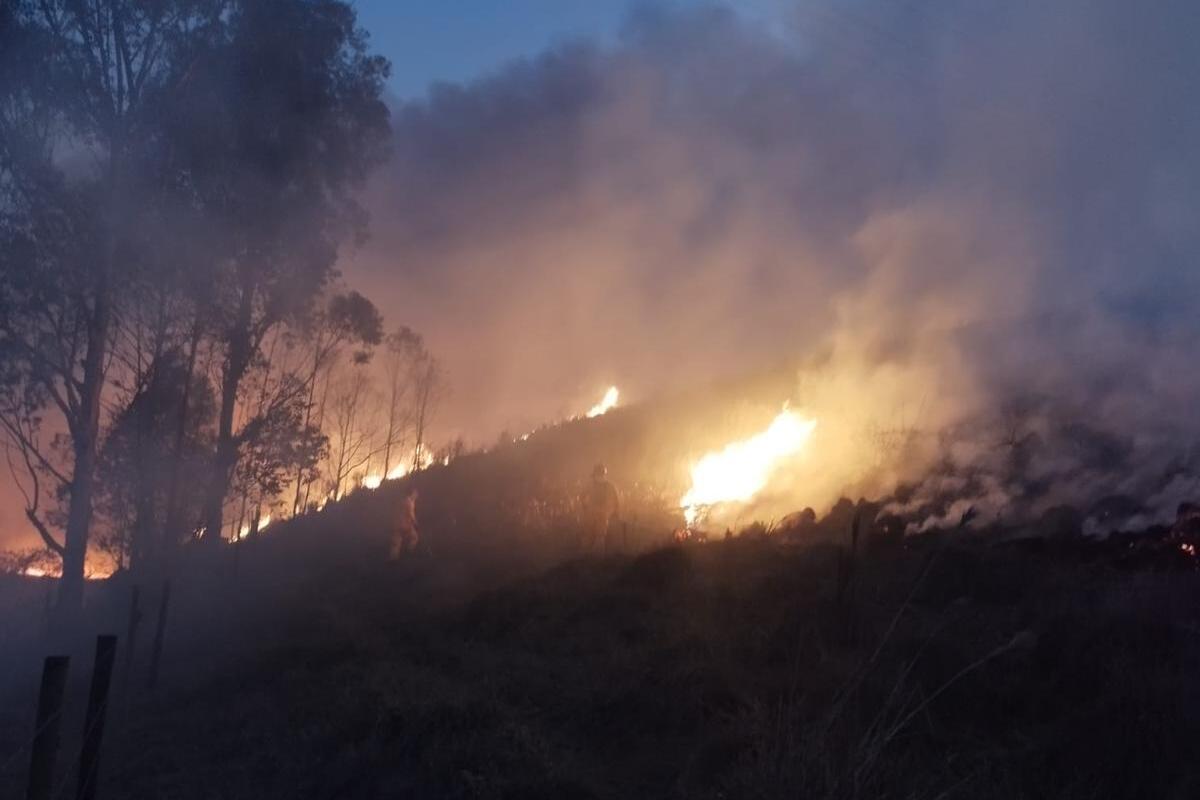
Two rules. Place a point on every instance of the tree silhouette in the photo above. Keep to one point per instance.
(277, 127)
(176, 181)
(348, 318)
(133, 497)
(81, 104)
(404, 349)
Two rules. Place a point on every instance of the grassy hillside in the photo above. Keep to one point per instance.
(498, 663)
(723, 670)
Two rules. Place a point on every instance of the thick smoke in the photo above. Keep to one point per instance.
(973, 224)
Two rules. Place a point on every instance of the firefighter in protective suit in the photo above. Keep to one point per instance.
(404, 525)
(601, 505)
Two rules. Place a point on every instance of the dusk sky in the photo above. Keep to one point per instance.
(457, 40)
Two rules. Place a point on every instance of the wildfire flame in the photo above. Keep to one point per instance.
(262, 526)
(56, 572)
(740, 471)
(395, 473)
(606, 404)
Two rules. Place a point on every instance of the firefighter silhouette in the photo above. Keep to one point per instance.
(404, 525)
(601, 505)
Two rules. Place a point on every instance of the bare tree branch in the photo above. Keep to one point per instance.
(32, 499)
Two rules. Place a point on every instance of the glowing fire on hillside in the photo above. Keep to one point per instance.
(606, 404)
(375, 480)
(262, 526)
(91, 575)
(741, 469)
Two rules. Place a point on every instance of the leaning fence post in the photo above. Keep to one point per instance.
(94, 722)
(45, 734)
(159, 632)
(93, 725)
(48, 614)
(135, 619)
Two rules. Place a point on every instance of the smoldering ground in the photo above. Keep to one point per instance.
(940, 211)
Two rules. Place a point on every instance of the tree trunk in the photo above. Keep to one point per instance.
(224, 461)
(426, 390)
(141, 541)
(312, 393)
(172, 524)
(391, 431)
(226, 455)
(86, 436)
(320, 425)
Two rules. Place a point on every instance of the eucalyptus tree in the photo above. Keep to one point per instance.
(83, 87)
(275, 130)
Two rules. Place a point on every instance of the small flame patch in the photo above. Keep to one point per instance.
(606, 404)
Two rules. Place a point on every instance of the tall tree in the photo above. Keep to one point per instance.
(279, 127)
(404, 349)
(80, 102)
(139, 450)
(348, 318)
(428, 386)
(351, 446)
(284, 445)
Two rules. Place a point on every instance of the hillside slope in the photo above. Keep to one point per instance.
(723, 670)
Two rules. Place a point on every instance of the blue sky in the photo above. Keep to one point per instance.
(457, 40)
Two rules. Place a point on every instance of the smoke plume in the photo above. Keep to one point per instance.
(972, 225)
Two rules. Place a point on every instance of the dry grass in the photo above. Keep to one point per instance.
(716, 671)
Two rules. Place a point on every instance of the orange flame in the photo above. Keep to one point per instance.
(606, 404)
(738, 472)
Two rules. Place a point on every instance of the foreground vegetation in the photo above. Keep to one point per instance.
(945, 668)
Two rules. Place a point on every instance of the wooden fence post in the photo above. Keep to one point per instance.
(48, 613)
(159, 633)
(45, 734)
(94, 721)
(93, 724)
(135, 619)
